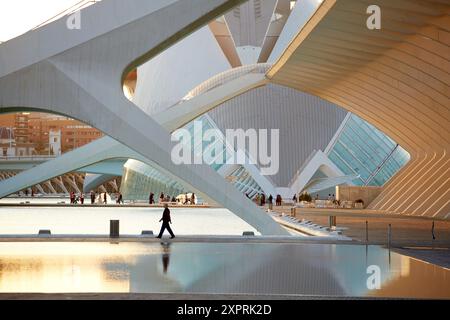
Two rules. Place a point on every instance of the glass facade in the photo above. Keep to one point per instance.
(139, 179)
(198, 145)
(363, 150)
(244, 182)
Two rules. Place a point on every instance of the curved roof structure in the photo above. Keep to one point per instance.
(396, 78)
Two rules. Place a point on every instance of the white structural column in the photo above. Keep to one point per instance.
(105, 164)
(317, 161)
(78, 73)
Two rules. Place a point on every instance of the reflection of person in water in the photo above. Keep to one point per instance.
(165, 256)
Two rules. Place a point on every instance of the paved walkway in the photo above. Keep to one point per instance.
(403, 229)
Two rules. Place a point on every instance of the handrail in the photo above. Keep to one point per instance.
(26, 158)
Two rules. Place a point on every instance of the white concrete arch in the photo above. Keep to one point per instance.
(80, 77)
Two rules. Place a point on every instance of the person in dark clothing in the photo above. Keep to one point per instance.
(120, 198)
(263, 199)
(279, 200)
(166, 223)
(105, 201)
(92, 197)
(151, 199)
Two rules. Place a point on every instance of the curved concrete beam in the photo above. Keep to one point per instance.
(396, 78)
(95, 152)
(183, 113)
(81, 78)
(93, 181)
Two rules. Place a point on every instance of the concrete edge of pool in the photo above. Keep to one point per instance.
(179, 296)
(216, 239)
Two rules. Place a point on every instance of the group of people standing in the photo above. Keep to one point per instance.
(261, 200)
(167, 198)
(101, 198)
(74, 199)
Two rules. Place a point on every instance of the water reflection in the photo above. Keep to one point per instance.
(308, 269)
(165, 255)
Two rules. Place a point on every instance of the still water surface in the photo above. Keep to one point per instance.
(257, 268)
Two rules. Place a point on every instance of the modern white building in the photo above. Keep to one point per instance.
(232, 65)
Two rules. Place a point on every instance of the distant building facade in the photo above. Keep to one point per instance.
(43, 134)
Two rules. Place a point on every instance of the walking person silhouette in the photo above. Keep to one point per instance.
(166, 222)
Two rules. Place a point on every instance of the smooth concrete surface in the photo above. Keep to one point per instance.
(353, 193)
(404, 229)
(165, 296)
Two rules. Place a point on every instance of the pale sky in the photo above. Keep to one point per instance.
(19, 16)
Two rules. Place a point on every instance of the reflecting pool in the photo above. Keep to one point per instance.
(232, 268)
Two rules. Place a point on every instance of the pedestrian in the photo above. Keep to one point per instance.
(120, 198)
(92, 197)
(151, 199)
(193, 198)
(294, 198)
(270, 200)
(161, 198)
(166, 222)
(105, 201)
(432, 231)
(82, 198)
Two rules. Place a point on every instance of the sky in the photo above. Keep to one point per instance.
(19, 16)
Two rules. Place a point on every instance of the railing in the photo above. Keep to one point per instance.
(27, 158)
(224, 77)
